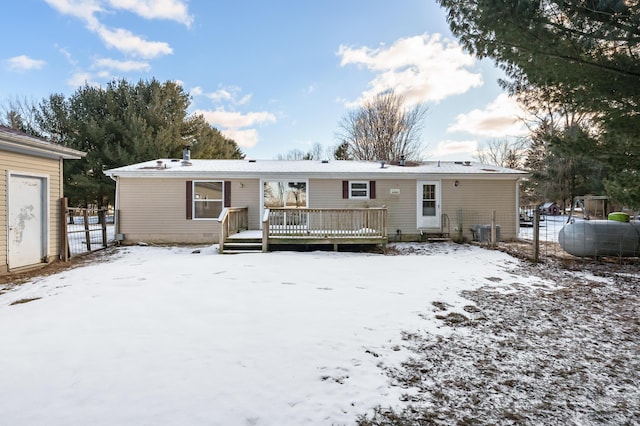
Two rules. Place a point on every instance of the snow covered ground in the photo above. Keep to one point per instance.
(166, 336)
(549, 228)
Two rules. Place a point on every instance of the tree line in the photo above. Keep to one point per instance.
(118, 125)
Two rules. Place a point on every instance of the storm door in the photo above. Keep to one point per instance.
(287, 195)
(428, 204)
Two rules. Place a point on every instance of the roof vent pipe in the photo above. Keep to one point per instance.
(382, 164)
(186, 155)
(401, 161)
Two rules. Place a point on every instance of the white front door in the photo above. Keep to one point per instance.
(429, 204)
(26, 221)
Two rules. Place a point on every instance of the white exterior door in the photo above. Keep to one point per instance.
(27, 220)
(428, 204)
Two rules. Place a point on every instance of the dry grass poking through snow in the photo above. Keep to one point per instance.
(568, 354)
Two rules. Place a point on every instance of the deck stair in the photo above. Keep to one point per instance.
(243, 242)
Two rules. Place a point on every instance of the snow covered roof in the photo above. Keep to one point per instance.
(308, 168)
(16, 141)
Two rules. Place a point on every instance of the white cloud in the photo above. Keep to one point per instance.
(421, 68)
(122, 66)
(121, 38)
(67, 55)
(24, 63)
(454, 150)
(129, 43)
(247, 138)
(219, 95)
(500, 118)
(79, 79)
(174, 10)
(83, 9)
(234, 124)
(230, 94)
(196, 91)
(234, 119)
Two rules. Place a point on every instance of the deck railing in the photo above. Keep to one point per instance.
(232, 220)
(326, 224)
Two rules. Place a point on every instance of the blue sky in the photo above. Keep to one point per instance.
(274, 75)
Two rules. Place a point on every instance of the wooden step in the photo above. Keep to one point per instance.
(242, 246)
(441, 236)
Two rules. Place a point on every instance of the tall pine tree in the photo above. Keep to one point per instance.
(123, 124)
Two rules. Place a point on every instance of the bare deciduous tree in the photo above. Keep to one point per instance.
(19, 114)
(504, 153)
(383, 129)
(294, 154)
(317, 152)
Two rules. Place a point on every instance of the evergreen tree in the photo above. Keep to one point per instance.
(579, 52)
(561, 165)
(342, 152)
(124, 124)
(620, 150)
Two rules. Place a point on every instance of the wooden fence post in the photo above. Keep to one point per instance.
(64, 236)
(87, 232)
(102, 218)
(493, 229)
(536, 235)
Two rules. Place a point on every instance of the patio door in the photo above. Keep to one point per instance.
(428, 204)
(288, 195)
(27, 220)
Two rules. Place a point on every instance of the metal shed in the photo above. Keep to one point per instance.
(550, 209)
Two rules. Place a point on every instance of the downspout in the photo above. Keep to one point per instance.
(518, 207)
(116, 213)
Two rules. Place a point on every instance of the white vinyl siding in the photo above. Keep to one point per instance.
(153, 210)
(22, 163)
(475, 199)
(327, 193)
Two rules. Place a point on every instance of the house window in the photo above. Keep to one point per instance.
(284, 194)
(358, 189)
(208, 198)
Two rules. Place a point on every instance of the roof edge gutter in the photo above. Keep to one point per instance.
(46, 149)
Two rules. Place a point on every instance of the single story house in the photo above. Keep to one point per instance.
(30, 193)
(183, 200)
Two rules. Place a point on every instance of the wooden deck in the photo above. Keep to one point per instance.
(304, 226)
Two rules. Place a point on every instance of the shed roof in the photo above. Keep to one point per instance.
(16, 141)
(309, 168)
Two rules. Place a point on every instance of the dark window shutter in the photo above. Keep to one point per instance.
(227, 193)
(372, 189)
(345, 189)
(189, 200)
